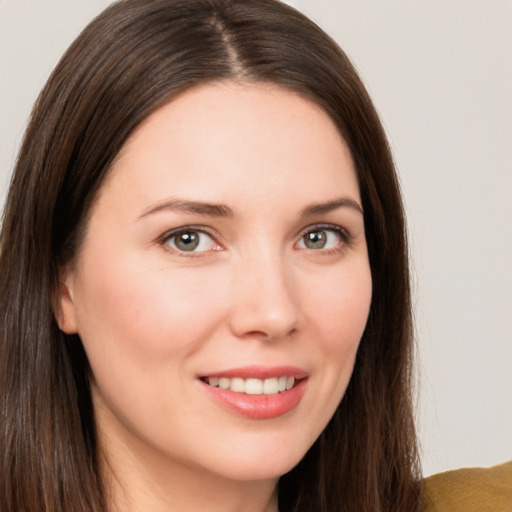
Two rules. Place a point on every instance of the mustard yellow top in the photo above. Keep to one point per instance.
(470, 490)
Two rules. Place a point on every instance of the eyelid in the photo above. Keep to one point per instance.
(342, 232)
(164, 239)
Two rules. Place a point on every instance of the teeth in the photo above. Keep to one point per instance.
(224, 383)
(237, 385)
(253, 386)
(270, 387)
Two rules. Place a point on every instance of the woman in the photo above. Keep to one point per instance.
(205, 298)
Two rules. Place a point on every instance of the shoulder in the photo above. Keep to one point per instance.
(470, 490)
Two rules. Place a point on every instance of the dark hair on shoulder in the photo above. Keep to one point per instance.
(129, 61)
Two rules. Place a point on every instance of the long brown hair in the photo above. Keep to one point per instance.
(124, 65)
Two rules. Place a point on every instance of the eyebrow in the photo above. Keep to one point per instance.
(329, 206)
(211, 209)
(222, 210)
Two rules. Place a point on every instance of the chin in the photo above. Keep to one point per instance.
(250, 473)
(265, 465)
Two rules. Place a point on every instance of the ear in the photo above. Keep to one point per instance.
(65, 310)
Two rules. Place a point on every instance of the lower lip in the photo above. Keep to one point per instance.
(258, 407)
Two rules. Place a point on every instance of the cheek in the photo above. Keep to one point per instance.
(339, 307)
(340, 314)
(141, 330)
(146, 313)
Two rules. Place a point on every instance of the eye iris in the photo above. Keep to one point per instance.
(315, 240)
(187, 241)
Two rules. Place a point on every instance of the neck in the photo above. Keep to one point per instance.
(140, 481)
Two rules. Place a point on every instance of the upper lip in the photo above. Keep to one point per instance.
(259, 372)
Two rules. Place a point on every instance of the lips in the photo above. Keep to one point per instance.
(257, 392)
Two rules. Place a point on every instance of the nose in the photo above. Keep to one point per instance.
(265, 302)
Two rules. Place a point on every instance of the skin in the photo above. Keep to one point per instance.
(153, 319)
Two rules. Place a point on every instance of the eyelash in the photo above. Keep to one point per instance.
(165, 239)
(345, 237)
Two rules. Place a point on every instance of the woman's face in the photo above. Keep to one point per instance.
(226, 248)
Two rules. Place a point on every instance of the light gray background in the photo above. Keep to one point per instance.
(440, 73)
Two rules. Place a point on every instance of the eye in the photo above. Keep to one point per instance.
(190, 240)
(322, 238)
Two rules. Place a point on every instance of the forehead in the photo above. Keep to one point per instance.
(213, 139)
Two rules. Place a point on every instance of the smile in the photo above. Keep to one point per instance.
(257, 392)
(271, 386)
